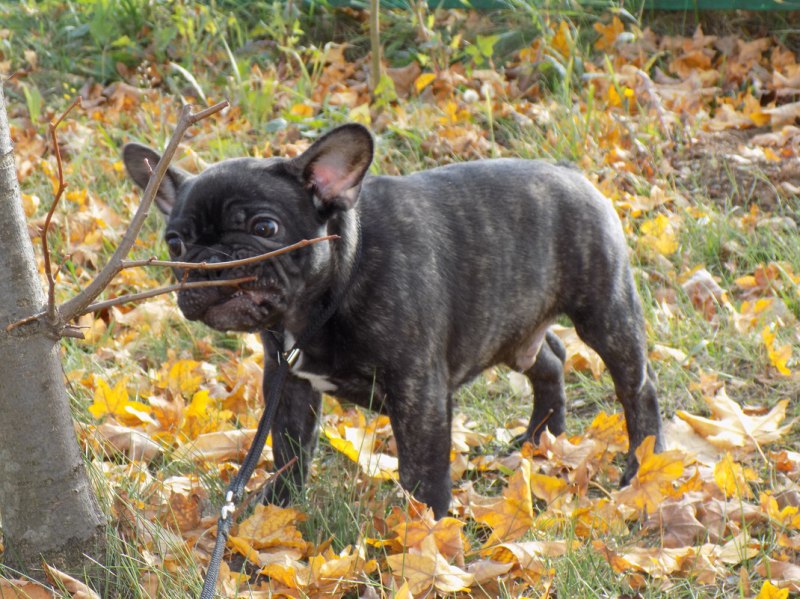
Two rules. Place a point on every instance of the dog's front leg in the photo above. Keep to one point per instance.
(294, 431)
(294, 434)
(420, 413)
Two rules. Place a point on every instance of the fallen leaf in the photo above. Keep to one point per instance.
(76, 588)
(23, 589)
(653, 480)
(732, 478)
(677, 524)
(510, 516)
(426, 568)
(731, 428)
(272, 526)
(134, 443)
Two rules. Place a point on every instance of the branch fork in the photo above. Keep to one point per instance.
(56, 318)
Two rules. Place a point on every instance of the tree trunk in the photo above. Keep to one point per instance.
(47, 506)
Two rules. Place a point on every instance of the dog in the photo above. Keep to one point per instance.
(436, 276)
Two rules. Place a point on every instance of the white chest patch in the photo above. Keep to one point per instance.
(318, 382)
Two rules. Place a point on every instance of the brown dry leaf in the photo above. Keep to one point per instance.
(677, 524)
(608, 33)
(600, 517)
(511, 516)
(219, 446)
(76, 588)
(463, 434)
(134, 443)
(567, 453)
(23, 589)
(731, 428)
(485, 570)
(784, 575)
(704, 292)
(426, 568)
(680, 436)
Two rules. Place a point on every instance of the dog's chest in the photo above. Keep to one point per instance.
(346, 381)
(320, 382)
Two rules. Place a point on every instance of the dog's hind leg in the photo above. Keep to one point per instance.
(614, 328)
(549, 399)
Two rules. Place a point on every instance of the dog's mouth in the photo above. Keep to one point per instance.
(241, 309)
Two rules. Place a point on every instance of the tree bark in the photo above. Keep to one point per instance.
(47, 508)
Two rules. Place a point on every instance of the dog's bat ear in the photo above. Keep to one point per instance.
(335, 165)
(140, 162)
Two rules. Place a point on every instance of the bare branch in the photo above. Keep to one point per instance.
(51, 281)
(135, 297)
(230, 264)
(79, 303)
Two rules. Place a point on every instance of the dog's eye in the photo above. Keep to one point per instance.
(175, 246)
(265, 227)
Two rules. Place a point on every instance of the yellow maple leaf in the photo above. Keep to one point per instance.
(446, 532)
(608, 33)
(658, 235)
(511, 516)
(609, 430)
(653, 480)
(423, 81)
(243, 547)
(182, 378)
(788, 516)
(302, 110)
(289, 572)
(731, 428)
(330, 571)
(115, 402)
(426, 568)
(202, 416)
(770, 591)
(732, 479)
(357, 445)
(403, 592)
(562, 40)
(613, 97)
(548, 488)
(272, 526)
(778, 357)
(530, 555)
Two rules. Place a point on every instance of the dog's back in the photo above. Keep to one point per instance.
(500, 246)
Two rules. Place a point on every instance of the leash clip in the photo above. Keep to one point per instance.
(229, 507)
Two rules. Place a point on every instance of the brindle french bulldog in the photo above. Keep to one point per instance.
(439, 275)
